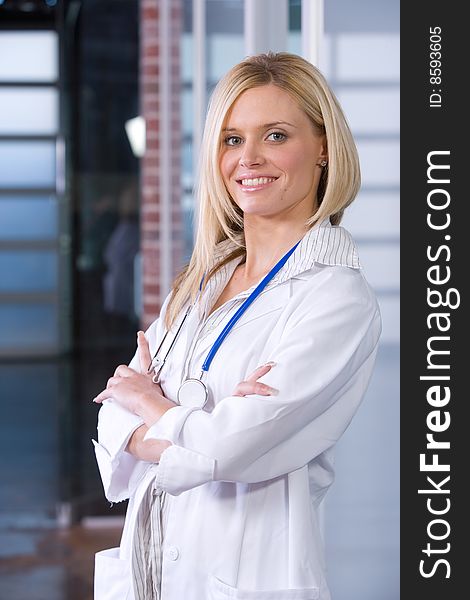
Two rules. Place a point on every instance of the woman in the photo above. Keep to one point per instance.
(225, 485)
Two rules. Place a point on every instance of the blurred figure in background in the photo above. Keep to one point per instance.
(119, 256)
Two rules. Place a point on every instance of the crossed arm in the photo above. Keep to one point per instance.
(136, 392)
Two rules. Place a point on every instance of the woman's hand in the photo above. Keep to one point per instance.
(136, 391)
(251, 385)
(147, 450)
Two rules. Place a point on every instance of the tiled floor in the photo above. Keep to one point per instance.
(51, 564)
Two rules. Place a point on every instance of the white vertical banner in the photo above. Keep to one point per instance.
(199, 86)
(313, 27)
(312, 31)
(165, 170)
(266, 26)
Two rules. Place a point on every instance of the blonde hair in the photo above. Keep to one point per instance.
(219, 217)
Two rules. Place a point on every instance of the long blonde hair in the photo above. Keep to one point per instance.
(219, 218)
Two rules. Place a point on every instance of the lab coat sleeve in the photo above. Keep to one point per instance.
(323, 364)
(115, 427)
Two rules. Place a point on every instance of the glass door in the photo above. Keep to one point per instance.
(31, 172)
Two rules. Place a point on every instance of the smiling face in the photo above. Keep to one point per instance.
(270, 155)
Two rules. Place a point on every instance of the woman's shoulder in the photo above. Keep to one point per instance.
(336, 299)
(334, 285)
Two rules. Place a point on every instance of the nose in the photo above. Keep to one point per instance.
(251, 154)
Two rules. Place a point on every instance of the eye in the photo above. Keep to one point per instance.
(232, 140)
(277, 136)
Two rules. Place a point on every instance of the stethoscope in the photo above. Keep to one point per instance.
(193, 391)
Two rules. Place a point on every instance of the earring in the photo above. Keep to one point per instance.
(323, 163)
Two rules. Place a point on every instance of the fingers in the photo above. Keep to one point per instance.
(245, 388)
(158, 388)
(252, 386)
(145, 358)
(260, 371)
(113, 381)
(107, 393)
(123, 371)
(104, 395)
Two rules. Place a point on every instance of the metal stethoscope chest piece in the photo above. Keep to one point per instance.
(193, 392)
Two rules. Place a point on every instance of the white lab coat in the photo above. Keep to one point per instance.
(245, 476)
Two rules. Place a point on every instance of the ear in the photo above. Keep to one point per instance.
(322, 159)
(323, 150)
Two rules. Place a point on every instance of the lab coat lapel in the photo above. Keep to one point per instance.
(274, 297)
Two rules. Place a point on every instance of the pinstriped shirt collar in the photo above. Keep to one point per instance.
(323, 244)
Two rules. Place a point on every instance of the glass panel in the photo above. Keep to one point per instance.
(28, 218)
(224, 50)
(362, 49)
(30, 111)
(107, 217)
(381, 263)
(187, 51)
(380, 163)
(225, 47)
(187, 111)
(294, 39)
(32, 56)
(326, 58)
(186, 161)
(374, 16)
(28, 271)
(28, 326)
(382, 115)
(368, 57)
(27, 164)
(225, 44)
(374, 215)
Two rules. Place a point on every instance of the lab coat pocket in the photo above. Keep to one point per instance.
(221, 591)
(112, 576)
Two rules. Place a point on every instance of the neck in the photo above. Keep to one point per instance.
(266, 243)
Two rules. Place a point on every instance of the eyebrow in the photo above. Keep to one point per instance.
(265, 126)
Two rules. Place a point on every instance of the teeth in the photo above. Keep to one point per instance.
(257, 181)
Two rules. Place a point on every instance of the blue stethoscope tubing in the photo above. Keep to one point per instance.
(192, 391)
(248, 302)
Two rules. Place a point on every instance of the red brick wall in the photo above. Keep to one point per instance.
(150, 214)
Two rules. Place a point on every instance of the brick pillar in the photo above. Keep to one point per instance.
(151, 177)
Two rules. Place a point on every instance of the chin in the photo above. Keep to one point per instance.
(260, 214)
(252, 206)
(257, 211)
